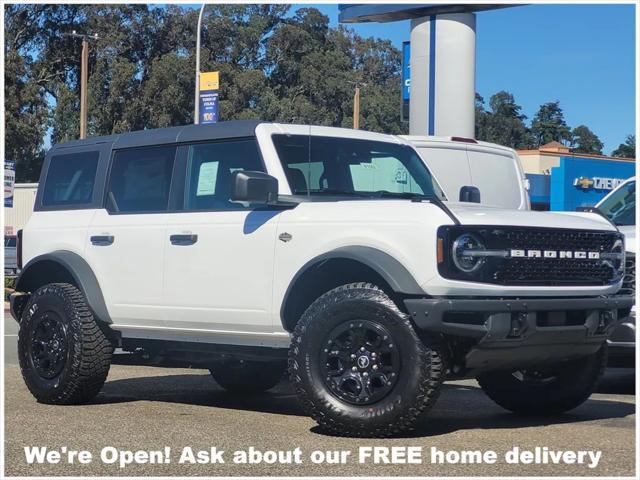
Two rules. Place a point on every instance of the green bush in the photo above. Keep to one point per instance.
(9, 285)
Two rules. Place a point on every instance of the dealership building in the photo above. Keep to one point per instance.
(561, 180)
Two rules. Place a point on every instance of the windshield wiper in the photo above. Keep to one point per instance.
(329, 191)
(409, 195)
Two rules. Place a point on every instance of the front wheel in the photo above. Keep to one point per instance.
(64, 355)
(358, 366)
(549, 390)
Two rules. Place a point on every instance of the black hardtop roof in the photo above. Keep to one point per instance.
(159, 136)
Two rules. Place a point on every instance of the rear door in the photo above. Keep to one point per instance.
(126, 240)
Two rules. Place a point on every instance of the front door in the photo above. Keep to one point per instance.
(218, 268)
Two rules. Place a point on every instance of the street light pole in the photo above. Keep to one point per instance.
(196, 111)
(84, 78)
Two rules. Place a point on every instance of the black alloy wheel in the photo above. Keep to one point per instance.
(360, 362)
(48, 346)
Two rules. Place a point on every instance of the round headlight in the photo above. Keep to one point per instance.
(463, 253)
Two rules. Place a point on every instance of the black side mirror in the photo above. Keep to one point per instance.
(469, 193)
(254, 187)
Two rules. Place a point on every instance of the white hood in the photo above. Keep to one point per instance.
(476, 214)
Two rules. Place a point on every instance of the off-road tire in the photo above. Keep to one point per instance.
(571, 385)
(248, 376)
(418, 382)
(87, 356)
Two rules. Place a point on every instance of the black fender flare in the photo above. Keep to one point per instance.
(389, 268)
(81, 272)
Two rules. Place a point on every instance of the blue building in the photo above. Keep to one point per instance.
(562, 180)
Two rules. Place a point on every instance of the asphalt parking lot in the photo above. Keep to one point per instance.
(150, 408)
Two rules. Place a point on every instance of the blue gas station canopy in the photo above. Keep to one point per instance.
(357, 13)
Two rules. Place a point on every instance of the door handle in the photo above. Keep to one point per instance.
(102, 240)
(188, 239)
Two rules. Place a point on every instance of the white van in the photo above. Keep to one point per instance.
(458, 162)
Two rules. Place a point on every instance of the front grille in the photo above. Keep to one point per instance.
(542, 238)
(554, 271)
(544, 271)
(521, 266)
(629, 279)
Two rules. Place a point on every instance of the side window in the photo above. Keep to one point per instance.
(209, 169)
(140, 179)
(301, 171)
(70, 179)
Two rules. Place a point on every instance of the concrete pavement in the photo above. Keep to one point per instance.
(152, 408)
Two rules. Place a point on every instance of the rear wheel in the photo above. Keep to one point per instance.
(245, 376)
(64, 355)
(358, 366)
(549, 390)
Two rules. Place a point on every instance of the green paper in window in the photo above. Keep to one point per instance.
(207, 179)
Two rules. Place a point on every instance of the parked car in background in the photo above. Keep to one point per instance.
(619, 206)
(458, 163)
(10, 255)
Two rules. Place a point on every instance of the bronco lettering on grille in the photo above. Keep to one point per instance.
(567, 254)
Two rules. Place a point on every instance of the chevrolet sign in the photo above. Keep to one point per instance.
(597, 183)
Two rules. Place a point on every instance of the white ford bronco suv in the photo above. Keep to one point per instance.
(246, 248)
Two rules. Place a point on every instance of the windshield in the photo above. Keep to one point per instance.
(620, 206)
(316, 165)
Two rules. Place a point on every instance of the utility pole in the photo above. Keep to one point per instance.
(196, 109)
(356, 108)
(84, 78)
(356, 104)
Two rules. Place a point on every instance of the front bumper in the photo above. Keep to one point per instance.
(516, 333)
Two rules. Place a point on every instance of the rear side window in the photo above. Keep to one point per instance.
(70, 179)
(9, 241)
(140, 180)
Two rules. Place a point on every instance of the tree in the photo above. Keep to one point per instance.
(585, 141)
(273, 66)
(548, 125)
(26, 110)
(626, 149)
(482, 119)
(504, 123)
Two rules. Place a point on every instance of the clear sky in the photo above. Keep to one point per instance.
(582, 55)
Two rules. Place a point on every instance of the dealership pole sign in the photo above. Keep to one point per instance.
(9, 181)
(406, 80)
(209, 86)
